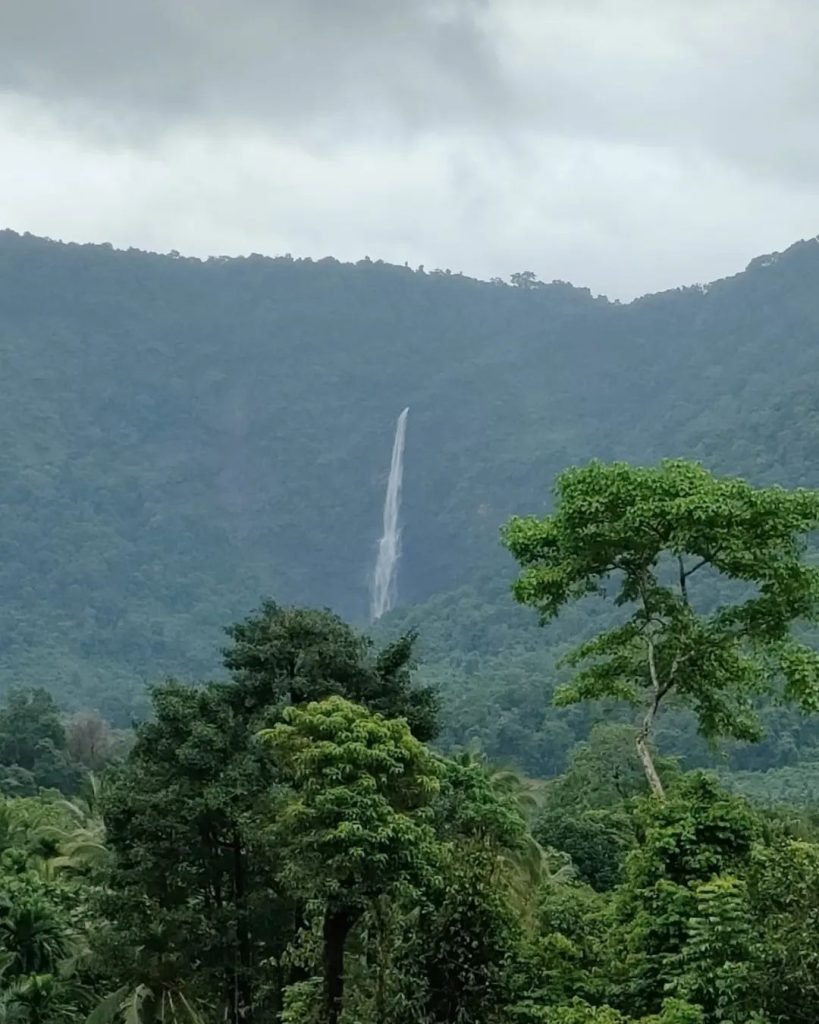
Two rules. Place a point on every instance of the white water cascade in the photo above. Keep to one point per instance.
(384, 578)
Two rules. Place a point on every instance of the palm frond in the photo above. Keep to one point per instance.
(107, 1011)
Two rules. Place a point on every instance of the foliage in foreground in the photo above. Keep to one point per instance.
(287, 847)
(261, 858)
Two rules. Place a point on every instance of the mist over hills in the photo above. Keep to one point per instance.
(182, 437)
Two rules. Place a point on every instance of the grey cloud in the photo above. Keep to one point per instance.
(359, 64)
(737, 79)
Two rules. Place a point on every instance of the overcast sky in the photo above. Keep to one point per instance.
(626, 145)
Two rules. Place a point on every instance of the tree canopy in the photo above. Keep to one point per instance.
(275, 848)
(640, 536)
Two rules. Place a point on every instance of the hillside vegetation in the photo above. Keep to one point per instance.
(182, 438)
(293, 832)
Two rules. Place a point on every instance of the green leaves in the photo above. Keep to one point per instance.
(283, 656)
(143, 1005)
(644, 537)
(358, 782)
(674, 1011)
(45, 918)
(107, 1011)
(719, 955)
(354, 827)
(799, 665)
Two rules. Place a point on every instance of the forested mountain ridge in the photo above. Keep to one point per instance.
(182, 437)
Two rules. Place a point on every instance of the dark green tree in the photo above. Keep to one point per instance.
(29, 721)
(461, 953)
(282, 656)
(190, 814)
(192, 884)
(783, 893)
(33, 745)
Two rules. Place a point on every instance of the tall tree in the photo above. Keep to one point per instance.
(352, 831)
(640, 535)
(29, 723)
(189, 814)
(186, 819)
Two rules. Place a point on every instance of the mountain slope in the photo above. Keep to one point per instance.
(183, 437)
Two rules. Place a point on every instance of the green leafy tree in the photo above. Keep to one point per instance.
(462, 951)
(783, 891)
(503, 804)
(29, 720)
(721, 972)
(698, 834)
(43, 935)
(641, 535)
(564, 960)
(39, 999)
(282, 656)
(586, 812)
(34, 929)
(163, 1002)
(674, 1011)
(33, 745)
(596, 841)
(189, 813)
(604, 771)
(352, 829)
(191, 903)
(81, 837)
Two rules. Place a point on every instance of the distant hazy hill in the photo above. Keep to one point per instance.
(183, 437)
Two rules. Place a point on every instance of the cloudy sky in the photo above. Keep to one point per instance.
(626, 145)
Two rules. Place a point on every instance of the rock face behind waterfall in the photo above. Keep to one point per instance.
(384, 585)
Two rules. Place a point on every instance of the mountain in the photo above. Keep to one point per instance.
(183, 437)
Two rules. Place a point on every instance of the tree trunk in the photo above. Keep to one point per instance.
(337, 926)
(644, 753)
(648, 767)
(648, 722)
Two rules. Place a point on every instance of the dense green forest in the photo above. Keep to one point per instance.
(185, 438)
(571, 779)
(288, 844)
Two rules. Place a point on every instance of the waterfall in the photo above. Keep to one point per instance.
(383, 584)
